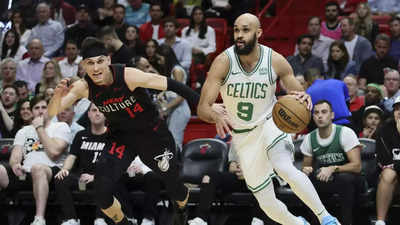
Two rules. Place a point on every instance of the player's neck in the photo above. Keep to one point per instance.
(108, 77)
(325, 132)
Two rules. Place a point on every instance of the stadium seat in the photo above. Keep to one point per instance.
(5, 148)
(202, 156)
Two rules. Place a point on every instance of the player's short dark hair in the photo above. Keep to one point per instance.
(36, 99)
(303, 36)
(324, 101)
(92, 47)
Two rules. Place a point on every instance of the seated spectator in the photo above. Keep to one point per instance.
(339, 63)
(387, 147)
(356, 102)
(395, 35)
(8, 110)
(200, 35)
(22, 89)
(372, 117)
(137, 13)
(305, 59)
(23, 117)
(372, 69)
(35, 158)
(63, 12)
(392, 85)
(175, 108)
(120, 53)
(321, 42)
(28, 12)
(50, 32)
(69, 65)
(141, 177)
(153, 29)
(11, 46)
(106, 12)
(332, 90)
(227, 183)
(133, 42)
(50, 78)
(365, 26)
(30, 69)
(86, 148)
(331, 27)
(118, 21)
(373, 96)
(82, 28)
(67, 117)
(150, 51)
(358, 47)
(19, 25)
(182, 48)
(8, 69)
(332, 160)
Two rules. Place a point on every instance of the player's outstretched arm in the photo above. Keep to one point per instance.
(136, 78)
(65, 95)
(209, 93)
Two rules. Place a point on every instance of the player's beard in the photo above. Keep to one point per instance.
(248, 46)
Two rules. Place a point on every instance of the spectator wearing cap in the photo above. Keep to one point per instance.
(373, 96)
(50, 32)
(182, 49)
(372, 117)
(372, 69)
(83, 28)
(153, 29)
(137, 13)
(388, 158)
(395, 35)
(391, 84)
(63, 12)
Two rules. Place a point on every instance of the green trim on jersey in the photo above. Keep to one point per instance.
(239, 131)
(270, 66)
(230, 68)
(276, 140)
(258, 63)
(262, 185)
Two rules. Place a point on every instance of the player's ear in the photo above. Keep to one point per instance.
(333, 115)
(108, 58)
(259, 32)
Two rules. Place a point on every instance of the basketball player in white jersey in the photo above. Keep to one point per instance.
(245, 75)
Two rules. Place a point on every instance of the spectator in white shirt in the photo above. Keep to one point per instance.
(19, 24)
(69, 65)
(50, 32)
(199, 34)
(11, 46)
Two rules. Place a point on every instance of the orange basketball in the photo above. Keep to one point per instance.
(290, 115)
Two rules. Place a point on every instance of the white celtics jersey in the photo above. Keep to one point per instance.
(249, 97)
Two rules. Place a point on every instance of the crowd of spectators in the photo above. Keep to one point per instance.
(342, 59)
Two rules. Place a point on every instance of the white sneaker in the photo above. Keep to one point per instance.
(38, 221)
(197, 221)
(132, 220)
(99, 221)
(380, 222)
(257, 221)
(146, 221)
(71, 222)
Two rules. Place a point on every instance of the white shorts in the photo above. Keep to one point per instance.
(252, 149)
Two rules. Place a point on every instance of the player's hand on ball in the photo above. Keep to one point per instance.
(303, 97)
(62, 174)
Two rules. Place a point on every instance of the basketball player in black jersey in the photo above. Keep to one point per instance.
(134, 126)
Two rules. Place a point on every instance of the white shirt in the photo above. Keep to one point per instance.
(155, 31)
(138, 163)
(69, 70)
(350, 45)
(348, 140)
(207, 45)
(32, 148)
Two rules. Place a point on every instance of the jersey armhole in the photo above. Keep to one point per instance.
(230, 68)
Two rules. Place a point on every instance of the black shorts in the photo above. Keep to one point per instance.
(16, 184)
(151, 145)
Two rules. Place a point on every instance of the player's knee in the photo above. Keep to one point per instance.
(206, 179)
